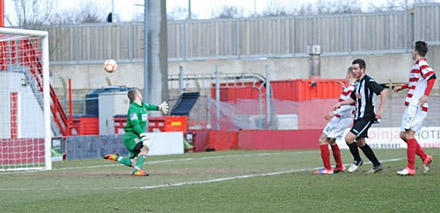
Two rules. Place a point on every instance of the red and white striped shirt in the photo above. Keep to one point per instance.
(345, 110)
(418, 80)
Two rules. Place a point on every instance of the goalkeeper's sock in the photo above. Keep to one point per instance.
(337, 155)
(124, 161)
(325, 155)
(139, 162)
(354, 151)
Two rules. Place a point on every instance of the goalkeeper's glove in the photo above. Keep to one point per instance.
(164, 107)
(146, 141)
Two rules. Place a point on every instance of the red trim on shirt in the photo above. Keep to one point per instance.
(423, 67)
(405, 86)
(415, 71)
(428, 74)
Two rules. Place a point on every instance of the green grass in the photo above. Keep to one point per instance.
(103, 186)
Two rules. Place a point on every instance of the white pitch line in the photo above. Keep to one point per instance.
(195, 182)
(226, 178)
(246, 176)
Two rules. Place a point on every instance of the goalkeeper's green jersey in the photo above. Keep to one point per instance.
(137, 117)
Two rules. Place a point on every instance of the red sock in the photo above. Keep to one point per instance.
(325, 155)
(337, 155)
(411, 152)
(420, 152)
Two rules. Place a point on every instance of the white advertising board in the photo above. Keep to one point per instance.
(166, 143)
(389, 138)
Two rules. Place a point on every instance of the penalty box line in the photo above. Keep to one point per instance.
(246, 176)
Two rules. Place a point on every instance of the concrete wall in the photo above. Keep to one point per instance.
(384, 68)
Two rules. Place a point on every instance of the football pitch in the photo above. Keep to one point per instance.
(231, 181)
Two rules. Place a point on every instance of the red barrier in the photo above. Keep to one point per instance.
(168, 124)
(200, 141)
(278, 139)
(223, 140)
(215, 140)
(156, 124)
(256, 140)
(85, 126)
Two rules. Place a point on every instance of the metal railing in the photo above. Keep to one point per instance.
(79, 106)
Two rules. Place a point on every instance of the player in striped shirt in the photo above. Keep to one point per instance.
(339, 121)
(365, 115)
(421, 81)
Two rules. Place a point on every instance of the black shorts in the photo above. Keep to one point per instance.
(137, 149)
(360, 128)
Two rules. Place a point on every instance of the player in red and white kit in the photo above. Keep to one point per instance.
(339, 121)
(421, 81)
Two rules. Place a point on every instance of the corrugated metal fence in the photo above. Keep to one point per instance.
(240, 38)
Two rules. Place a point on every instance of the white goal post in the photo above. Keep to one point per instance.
(25, 131)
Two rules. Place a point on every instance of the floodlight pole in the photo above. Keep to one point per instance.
(189, 10)
(113, 9)
(268, 98)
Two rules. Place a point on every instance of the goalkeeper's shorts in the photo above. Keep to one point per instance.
(133, 143)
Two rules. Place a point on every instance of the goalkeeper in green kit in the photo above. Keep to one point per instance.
(135, 138)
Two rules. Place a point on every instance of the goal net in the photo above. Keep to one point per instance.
(25, 135)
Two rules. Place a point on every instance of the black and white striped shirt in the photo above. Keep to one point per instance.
(364, 92)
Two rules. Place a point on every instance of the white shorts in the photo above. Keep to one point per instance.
(336, 127)
(413, 118)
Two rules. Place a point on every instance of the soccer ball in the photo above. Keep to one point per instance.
(110, 65)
